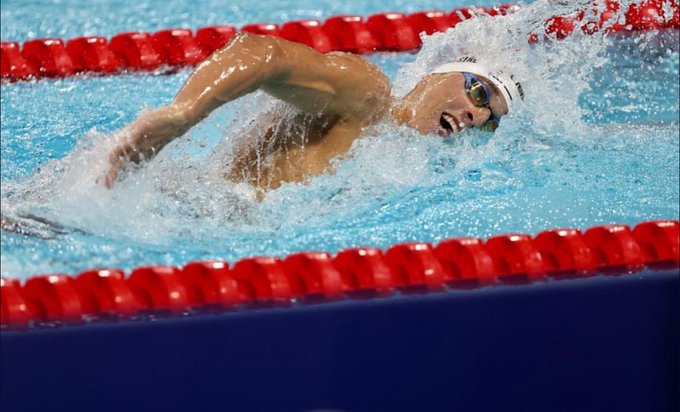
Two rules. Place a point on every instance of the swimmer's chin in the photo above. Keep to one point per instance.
(443, 129)
(443, 133)
(446, 133)
(438, 130)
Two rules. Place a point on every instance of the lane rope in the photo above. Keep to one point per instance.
(313, 277)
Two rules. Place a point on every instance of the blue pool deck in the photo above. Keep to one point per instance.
(606, 343)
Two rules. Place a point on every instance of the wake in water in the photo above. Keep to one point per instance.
(182, 193)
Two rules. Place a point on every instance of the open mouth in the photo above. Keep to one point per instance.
(449, 123)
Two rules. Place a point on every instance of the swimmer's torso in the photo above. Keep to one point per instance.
(292, 150)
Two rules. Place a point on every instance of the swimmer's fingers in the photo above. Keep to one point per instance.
(132, 149)
(113, 173)
(126, 152)
(118, 157)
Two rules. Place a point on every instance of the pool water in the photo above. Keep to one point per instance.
(595, 142)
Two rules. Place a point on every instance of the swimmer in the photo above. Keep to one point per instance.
(338, 95)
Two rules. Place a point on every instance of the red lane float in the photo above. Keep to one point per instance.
(53, 298)
(659, 242)
(268, 29)
(380, 32)
(105, 292)
(158, 288)
(214, 37)
(355, 272)
(430, 22)
(614, 248)
(364, 270)
(611, 8)
(49, 56)
(466, 262)
(178, 47)
(136, 50)
(394, 32)
(312, 275)
(210, 283)
(350, 34)
(415, 265)
(461, 14)
(309, 32)
(515, 258)
(93, 54)
(565, 252)
(561, 27)
(649, 15)
(14, 310)
(263, 279)
(12, 63)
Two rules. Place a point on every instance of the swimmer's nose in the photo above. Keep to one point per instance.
(475, 117)
(469, 118)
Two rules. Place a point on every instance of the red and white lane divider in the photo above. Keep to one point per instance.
(51, 57)
(317, 276)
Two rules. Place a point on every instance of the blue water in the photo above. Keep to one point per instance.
(596, 142)
(34, 19)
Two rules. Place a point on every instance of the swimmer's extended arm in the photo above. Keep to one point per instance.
(335, 84)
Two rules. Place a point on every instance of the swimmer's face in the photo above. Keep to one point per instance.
(440, 104)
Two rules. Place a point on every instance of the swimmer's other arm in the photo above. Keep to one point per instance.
(334, 84)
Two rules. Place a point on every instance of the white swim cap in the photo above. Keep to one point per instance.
(509, 87)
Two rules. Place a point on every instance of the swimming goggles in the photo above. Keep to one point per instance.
(480, 96)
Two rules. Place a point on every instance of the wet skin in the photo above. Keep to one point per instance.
(338, 94)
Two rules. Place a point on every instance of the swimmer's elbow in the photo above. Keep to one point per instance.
(264, 52)
(251, 40)
(266, 48)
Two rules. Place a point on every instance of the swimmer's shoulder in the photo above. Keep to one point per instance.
(372, 87)
(356, 62)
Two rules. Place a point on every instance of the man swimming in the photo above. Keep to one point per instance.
(338, 95)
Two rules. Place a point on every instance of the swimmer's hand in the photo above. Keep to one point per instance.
(129, 151)
(145, 137)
